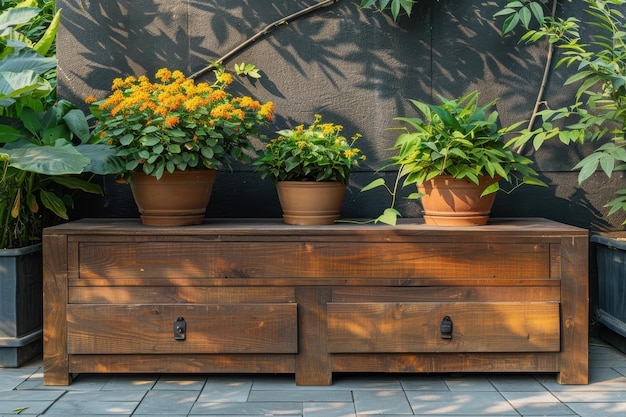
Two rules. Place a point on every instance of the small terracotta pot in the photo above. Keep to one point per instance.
(456, 202)
(176, 199)
(310, 202)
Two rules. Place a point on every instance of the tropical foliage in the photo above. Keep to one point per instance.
(41, 142)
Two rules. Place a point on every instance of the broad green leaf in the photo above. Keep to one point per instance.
(77, 122)
(27, 60)
(76, 183)
(16, 16)
(53, 203)
(51, 160)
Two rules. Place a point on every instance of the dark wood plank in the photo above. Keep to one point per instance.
(55, 359)
(180, 294)
(446, 362)
(574, 358)
(198, 363)
(313, 363)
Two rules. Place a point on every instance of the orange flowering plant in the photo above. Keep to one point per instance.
(316, 153)
(175, 123)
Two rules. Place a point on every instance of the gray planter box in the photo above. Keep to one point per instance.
(21, 305)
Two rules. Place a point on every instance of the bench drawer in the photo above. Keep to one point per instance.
(415, 327)
(211, 328)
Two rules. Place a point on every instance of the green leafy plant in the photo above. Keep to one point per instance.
(42, 143)
(39, 153)
(175, 124)
(598, 111)
(457, 138)
(315, 153)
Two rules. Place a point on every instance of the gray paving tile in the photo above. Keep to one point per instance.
(167, 402)
(516, 383)
(247, 408)
(11, 378)
(226, 389)
(181, 382)
(536, 404)
(302, 396)
(590, 396)
(468, 383)
(29, 407)
(120, 382)
(530, 397)
(485, 403)
(381, 402)
(328, 409)
(104, 396)
(80, 383)
(423, 383)
(367, 382)
(30, 395)
(599, 409)
(89, 408)
(353, 381)
(600, 379)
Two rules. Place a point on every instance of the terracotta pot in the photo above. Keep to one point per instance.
(176, 199)
(309, 202)
(453, 202)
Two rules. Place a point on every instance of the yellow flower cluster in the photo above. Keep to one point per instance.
(315, 153)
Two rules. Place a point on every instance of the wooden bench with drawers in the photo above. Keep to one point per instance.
(259, 296)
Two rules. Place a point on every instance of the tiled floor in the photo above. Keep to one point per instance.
(22, 391)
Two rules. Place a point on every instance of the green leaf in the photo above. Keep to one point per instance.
(378, 182)
(76, 183)
(53, 203)
(51, 160)
(16, 16)
(43, 45)
(77, 122)
(389, 216)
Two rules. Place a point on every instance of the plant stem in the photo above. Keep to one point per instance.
(544, 79)
(263, 32)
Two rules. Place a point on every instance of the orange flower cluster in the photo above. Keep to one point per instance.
(175, 123)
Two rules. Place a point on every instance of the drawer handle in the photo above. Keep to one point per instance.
(446, 328)
(180, 329)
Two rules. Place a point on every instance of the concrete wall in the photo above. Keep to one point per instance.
(356, 67)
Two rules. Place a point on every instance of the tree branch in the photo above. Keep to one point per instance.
(269, 28)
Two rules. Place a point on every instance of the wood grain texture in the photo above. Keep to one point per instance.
(54, 304)
(332, 259)
(148, 328)
(415, 327)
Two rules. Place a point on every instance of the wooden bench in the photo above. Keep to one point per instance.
(259, 296)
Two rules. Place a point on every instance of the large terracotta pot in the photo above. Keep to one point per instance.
(456, 202)
(310, 202)
(176, 199)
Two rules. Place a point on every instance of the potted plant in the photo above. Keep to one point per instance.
(455, 155)
(172, 134)
(310, 167)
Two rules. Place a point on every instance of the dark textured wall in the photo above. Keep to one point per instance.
(356, 67)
